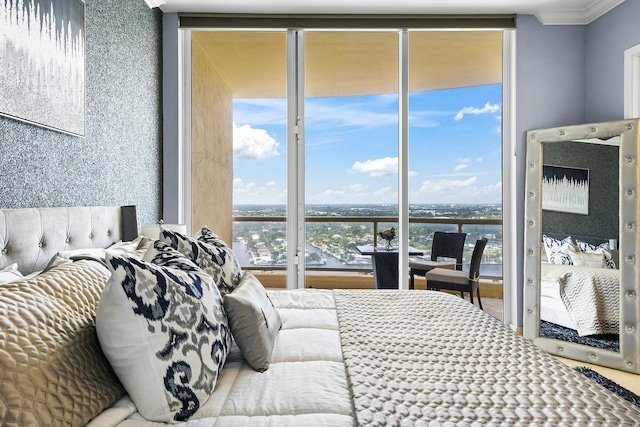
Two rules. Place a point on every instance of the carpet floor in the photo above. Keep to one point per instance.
(610, 385)
(606, 342)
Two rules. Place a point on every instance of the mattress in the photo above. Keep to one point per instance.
(397, 358)
(305, 385)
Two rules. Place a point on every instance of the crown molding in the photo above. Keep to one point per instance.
(577, 16)
(155, 3)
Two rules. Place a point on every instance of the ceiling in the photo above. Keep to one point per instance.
(253, 64)
(559, 12)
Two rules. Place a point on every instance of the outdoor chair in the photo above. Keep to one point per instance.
(456, 280)
(445, 245)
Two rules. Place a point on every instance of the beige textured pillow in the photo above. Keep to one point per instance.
(253, 320)
(52, 370)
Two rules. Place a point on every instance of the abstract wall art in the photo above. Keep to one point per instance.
(565, 189)
(42, 63)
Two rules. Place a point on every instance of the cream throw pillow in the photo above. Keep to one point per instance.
(254, 321)
(586, 259)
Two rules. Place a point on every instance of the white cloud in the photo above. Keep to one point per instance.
(253, 144)
(358, 188)
(330, 115)
(488, 108)
(239, 187)
(254, 193)
(443, 185)
(464, 163)
(386, 166)
(355, 193)
(455, 190)
(267, 111)
(386, 195)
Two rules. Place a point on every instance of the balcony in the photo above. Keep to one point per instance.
(332, 260)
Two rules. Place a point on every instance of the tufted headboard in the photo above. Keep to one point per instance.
(32, 236)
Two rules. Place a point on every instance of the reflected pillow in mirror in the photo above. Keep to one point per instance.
(602, 249)
(593, 260)
(558, 250)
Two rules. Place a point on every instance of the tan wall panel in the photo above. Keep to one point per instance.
(211, 147)
(277, 280)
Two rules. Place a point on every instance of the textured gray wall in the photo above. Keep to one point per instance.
(604, 178)
(119, 162)
(170, 122)
(607, 39)
(550, 92)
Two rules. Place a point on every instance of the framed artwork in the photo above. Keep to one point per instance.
(565, 189)
(42, 63)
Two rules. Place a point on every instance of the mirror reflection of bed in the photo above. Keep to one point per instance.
(579, 279)
(597, 206)
(580, 302)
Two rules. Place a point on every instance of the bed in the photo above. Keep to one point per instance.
(580, 285)
(339, 358)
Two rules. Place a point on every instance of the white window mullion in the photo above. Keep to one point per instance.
(184, 131)
(403, 159)
(511, 297)
(295, 160)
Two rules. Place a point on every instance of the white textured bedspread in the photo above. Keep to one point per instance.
(418, 358)
(411, 358)
(590, 295)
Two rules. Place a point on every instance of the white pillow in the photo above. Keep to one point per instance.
(600, 249)
(254, 321)
(210, 253)
(593, 260)
(558, 250)
(163, 329)
(10, 273)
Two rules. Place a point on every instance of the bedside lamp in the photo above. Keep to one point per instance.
(153, 230)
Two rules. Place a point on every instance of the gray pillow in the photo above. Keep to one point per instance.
(253, 320)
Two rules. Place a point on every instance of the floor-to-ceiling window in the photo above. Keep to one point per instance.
(242, 82)
(455, 139)
(351, 143)
(359, 166)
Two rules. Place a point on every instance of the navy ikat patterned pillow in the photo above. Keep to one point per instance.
(162, 326)
(210, 253)
(558, 251)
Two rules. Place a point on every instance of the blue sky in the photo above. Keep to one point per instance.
(351, 148)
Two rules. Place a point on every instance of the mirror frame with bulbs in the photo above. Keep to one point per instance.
(628, 357)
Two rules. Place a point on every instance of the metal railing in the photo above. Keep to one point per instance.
(459, 223)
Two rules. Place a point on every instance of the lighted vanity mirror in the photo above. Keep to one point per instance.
(582, 243)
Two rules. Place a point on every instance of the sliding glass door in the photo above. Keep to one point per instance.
(455, 144)
(351, 144)
(239, 87)
(321, 161)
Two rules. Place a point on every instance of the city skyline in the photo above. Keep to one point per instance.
(352, 154)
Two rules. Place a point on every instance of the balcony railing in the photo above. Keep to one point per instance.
(473, 226)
